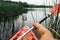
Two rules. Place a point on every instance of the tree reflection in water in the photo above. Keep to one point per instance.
(7, 24)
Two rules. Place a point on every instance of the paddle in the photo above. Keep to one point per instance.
(54, 10)
(32, 28)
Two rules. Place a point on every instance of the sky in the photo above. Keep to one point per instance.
(38, 2)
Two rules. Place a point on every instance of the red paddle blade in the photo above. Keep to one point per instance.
(55, 9)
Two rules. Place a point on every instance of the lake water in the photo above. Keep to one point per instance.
(11, 26)
(35, 14)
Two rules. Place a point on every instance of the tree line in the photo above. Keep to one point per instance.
(10, 9)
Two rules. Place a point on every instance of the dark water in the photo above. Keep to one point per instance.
(9, 26)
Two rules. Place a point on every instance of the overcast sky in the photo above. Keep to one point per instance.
(38, 2)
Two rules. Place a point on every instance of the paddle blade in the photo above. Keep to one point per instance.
(55, 9)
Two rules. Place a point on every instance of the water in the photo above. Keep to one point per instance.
(38, 15)
(10, 26)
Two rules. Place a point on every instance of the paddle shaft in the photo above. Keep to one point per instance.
(32, 28)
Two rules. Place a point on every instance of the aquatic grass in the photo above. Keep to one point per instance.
(54, 25)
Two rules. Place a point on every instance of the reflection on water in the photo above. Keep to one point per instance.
(9, 26)
(38, 15)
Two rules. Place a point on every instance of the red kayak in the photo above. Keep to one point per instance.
(29, 36)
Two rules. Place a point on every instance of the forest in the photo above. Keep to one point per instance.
(15, 8)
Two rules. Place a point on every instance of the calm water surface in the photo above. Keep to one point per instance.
(11, 26)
